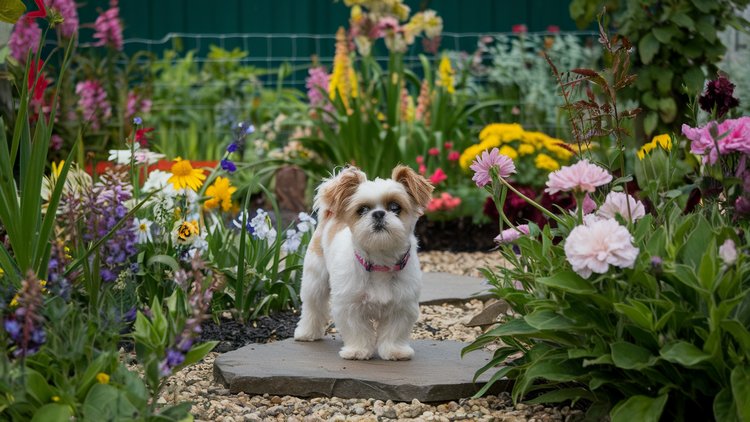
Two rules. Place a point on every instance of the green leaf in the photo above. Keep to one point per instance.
(684, 353)
(562, 395)
(740, 380)
(197, 353)
(684, 20)
(512, 328)
(648, 46)
(638, 313)
(38, 386)
(694, 79)
(704, 6)
(11, 10)
(639, 408)
(665, 33)
(725, 409)
(53, 412)
(627, 355)
(106, 403)
(548, 320)
(706, 27)
(650, 122)
(667, 109)
(164, 260)
(739, 332)
(568, 281)
(548, 369)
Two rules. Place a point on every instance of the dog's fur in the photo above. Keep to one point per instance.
(376, 218)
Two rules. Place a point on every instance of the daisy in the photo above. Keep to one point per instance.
(185, 176)
(482, 165)
(143, 229)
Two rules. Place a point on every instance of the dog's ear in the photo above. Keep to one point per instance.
(419, 188)
(337, 190)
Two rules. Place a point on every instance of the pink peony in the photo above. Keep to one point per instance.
(617, 203)
(438, 176)
(448, 145)
(581, 176)
(512, 234)
(420, 159)
(69, 12)
(108, 28)
(25, 37)
(733, 135)
(594, 246)
(93, 103)
(482, 165)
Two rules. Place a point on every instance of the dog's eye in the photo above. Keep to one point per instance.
(363, 210)
(394, 208)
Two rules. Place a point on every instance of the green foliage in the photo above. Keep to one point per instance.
(11, 10)
(678, 48)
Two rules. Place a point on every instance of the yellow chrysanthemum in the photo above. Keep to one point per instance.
(445, 71)
(102, 378)
(545, 162)
(220, 193)
(185, 176)
(509, 151)
(525, 149)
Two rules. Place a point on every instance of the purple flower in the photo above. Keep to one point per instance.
(26, 36)
(512, 234)
(93, 103)
(69, 12)
(108, 28)
(228, 165)
(733, 135)
(718, 96)
(137, 121)
(13, 328)
(232, 147)
(484, 163)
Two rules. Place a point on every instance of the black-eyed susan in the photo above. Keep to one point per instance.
(220, 193)
(185, 176)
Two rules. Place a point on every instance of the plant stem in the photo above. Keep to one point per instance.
(533, 203)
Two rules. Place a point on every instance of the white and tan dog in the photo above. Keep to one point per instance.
(362, 266)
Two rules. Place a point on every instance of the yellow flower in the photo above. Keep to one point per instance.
(343, 79)
(445, 71)
(545, 162)
(55, 399)
(14, 301)
(57, 168)
(509, 151)
(525, 149)
(664, 141)
(185, 233)
(356, 13)
(221, 193)
(185, 176)
(102, 378)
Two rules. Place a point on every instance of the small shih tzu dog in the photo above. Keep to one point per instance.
(361, 266)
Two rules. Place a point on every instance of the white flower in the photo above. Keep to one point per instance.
(200, 245)
(142, 156)
(594, 246)
(261, 226)
(292, 242)
(728, 252)
(143, 229)
(159, 181)
(617, 203)
(306, 223)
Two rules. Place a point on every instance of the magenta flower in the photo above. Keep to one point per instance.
(93, 103)
(482, 165)
(136, 104)
(581, 176)
(317, 85)
(512, 234)
(438, 176)
(594, 246)
(108, 30)
(69, 12)
(732, 135)
(26, 35)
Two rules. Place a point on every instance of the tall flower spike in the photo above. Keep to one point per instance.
(343, 81)
(422, 113)
(25, 37)
(445, 71)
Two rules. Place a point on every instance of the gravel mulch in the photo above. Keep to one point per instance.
(212, 402)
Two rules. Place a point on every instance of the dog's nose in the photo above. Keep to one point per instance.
(378, 215)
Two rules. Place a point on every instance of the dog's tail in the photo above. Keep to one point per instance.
(333, 194)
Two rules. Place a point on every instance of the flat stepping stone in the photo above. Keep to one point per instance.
(439, 288)
(314, 369)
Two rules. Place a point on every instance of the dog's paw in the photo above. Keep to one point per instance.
(301, 334)
(353, 353)
(395, 352)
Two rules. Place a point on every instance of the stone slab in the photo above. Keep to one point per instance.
(439, 288)
(314, 369)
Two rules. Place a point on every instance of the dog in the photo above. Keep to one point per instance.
(361, 266)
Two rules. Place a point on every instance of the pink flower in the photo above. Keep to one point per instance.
(553, 29)
(92, 101)
(589, 205)
(317, 85)
(422, 169)
(446, 202)
(454, 156)
(420, 159)
(448, 145)
(594, 246)
(482, 165)
(512, 234)
(623, 204)
(519, 29)
(433, 151)
(55, 142)
(108, 28)
(728, 252)
(25, 37)
(136, 104)
(438, 176)
(733, 136)
(69, 12)
(435, 204)
(581, 176)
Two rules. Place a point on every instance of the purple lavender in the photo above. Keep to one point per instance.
(718, 96)
(105, 208)
(25, 325)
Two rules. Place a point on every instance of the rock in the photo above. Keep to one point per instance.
(439, 288)
(489, 314)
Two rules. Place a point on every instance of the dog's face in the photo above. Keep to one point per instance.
(380, 213)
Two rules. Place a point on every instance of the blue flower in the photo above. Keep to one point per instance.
(228, 165)
(232, 147)
(249, 129)
(137, 121)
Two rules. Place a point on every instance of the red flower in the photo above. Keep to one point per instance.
(553, 29)
(35, 75)
(141, 136)
(41, 13)
(520, 29)
(433, 151)
(438, 176)
(454, 156)
(448, 145)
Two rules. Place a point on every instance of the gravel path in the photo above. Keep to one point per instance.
(213, 402)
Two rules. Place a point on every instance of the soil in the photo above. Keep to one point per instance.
(458, 235)
(232, 334)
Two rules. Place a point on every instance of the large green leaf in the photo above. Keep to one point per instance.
(639, 313)
(627, 355)
(548, 320)
(106, 403)
(639, 408)
(648, 46)
(725, 409)
(53, 412)
(683, 353)
(565, 394)
(740, 380)
(549, 369)
(568, 281)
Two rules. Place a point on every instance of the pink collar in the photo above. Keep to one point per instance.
(369, 266)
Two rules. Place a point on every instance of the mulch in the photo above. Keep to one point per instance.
(232, 334)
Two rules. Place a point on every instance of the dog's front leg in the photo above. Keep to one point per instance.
(315, 293)
(356, 331)
(394, 332)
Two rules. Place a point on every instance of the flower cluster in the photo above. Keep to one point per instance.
(25, 37)
(446, 202)
(305, 224)
(68, 11)
(24, 324)
(343, 83)
(445, 75)
(715, 139)
(93, 103)
(107, 27)
(718, 97)
(137, 103)
(535, 154)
